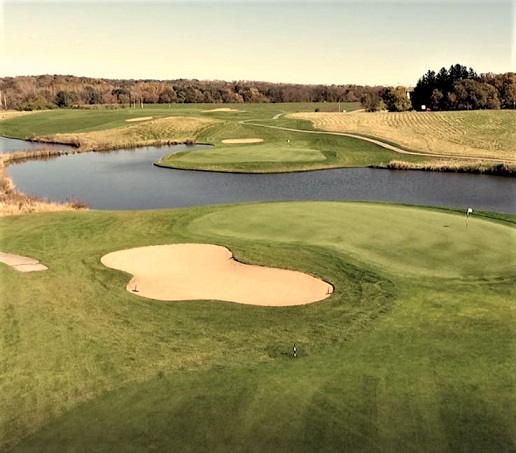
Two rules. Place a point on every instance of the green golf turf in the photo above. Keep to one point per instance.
(413, 351)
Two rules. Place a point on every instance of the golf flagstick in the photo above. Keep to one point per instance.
(468, 213)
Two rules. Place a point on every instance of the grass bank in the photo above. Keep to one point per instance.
(412, 352)
(453, 166)
(13, 202)
(481, 133)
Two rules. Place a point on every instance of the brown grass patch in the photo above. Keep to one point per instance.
(158, 132)
(478, 134)
(455, 166)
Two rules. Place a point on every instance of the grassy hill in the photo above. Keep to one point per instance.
(412, 352)
(480, 133)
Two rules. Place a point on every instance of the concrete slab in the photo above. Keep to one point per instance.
(22, 263)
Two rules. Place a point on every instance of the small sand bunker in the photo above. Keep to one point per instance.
(22, 263)
(223, 109)
(206, 272)
(141, 118)
(242, 140)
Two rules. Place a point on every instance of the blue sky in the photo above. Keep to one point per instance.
(330, 42)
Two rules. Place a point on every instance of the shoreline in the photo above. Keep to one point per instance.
(13, 202)
(450, 166)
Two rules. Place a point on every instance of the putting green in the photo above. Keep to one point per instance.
(250, 153)
(397, 239)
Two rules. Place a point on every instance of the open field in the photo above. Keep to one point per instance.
(64, 121)
(480, 133)
(414, 351)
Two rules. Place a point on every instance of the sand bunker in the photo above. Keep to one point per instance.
(22, 263)
(204, 271)
(142, 118)
(242, 140)
(223, 109)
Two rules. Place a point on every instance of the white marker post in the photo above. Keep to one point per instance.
(468, 213)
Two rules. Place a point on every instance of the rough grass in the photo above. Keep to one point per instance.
(413, 352)
(482, 133)
(483, 168)
(161, 131)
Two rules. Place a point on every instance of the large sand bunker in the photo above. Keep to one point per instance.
(141, 118)
(206, 272)
(222, 109)
(242, 140)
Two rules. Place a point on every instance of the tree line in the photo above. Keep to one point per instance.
(456, 88)
(460, 88)
(58, 91)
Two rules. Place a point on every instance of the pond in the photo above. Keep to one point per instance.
(126, 179)
(12, 145)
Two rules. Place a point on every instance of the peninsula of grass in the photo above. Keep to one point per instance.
(412, 352)
(281, 150)
(288, 141)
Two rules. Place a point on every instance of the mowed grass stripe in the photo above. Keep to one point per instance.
(422, 380)
(393, 361)
(488, 134)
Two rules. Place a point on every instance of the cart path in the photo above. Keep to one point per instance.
(382, 144)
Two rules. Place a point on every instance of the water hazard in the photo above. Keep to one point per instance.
(12, 145)
(127, 179)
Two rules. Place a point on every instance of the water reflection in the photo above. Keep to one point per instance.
(12, 145)
(128, 180)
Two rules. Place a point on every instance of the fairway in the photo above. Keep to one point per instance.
(412, 352)
(279, 151)
(238, 146)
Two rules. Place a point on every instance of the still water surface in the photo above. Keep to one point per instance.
(127, 179)
(11, 145)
